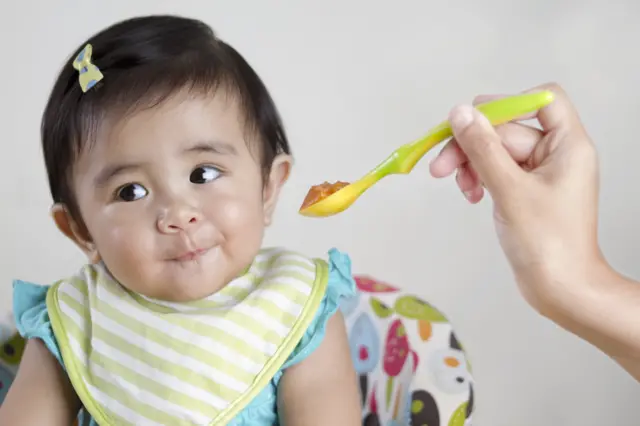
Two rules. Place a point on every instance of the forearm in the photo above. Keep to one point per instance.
(41, 393)
(603, 309)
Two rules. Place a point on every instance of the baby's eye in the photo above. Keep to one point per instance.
(204, 174)
(131, 192)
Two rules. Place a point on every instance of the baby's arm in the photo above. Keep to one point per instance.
(322, 389)
(41, 393)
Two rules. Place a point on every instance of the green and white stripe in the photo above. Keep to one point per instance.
(149, 362)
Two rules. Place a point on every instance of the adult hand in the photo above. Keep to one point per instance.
(544, 184)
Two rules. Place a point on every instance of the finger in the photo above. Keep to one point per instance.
(484, 148)
(465, 179)
(469, 184)
(481, 99)
(560, 114)
(520, 140)
(474, 175)
(448, 160)
(475, 195)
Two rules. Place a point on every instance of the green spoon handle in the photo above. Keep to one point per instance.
(497, 112)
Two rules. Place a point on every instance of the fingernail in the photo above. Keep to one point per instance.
(461, 117)
(467, 194)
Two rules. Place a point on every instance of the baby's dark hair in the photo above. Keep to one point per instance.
(144, 61)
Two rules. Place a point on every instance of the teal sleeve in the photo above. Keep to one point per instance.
(340, 286)
(31, 315)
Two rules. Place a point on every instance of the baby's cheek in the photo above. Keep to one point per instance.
(241, 223)
(231, 214)
(124, 239)
(125, 251)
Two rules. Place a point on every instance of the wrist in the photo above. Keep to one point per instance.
(597, 304)
(568, 293)
(555, 283)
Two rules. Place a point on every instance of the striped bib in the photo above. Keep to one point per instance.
(137, 361)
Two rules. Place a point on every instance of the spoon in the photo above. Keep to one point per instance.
(403, 159)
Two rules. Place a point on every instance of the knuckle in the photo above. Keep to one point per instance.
(562, 96)
(478, 99)
(586, 153)
(554, 86)
(481, 139)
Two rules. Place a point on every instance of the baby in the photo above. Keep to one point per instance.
(166, 155)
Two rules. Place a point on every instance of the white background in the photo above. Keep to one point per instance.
(353, 80)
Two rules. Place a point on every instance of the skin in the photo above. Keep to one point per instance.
(174, 203)
(544, 185)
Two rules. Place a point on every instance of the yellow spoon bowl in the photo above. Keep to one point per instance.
(403, 159)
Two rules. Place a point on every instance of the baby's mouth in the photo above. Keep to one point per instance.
(191, 255)
(192, 252)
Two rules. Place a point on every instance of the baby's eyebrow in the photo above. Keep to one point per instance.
(214, 147)
(112, 171)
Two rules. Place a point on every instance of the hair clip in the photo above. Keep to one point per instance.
(89, 73)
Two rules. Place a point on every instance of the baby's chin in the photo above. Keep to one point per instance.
(182, 287)
(188, 283)
(182, 281)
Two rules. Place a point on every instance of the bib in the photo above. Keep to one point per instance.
(138, 361)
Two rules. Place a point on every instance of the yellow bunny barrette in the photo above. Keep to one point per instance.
(89, 73)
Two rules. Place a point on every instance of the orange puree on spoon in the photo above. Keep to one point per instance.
(320, 192)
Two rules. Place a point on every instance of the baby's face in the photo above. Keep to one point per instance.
(173, 198)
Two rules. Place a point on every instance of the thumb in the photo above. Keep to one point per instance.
(484, 148)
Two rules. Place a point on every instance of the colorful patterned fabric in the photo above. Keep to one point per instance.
(411, 366)
(11, 349)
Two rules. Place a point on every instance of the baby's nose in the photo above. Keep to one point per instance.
(178, 219)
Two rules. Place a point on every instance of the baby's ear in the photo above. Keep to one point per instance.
(280, 170)
(74, 231)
